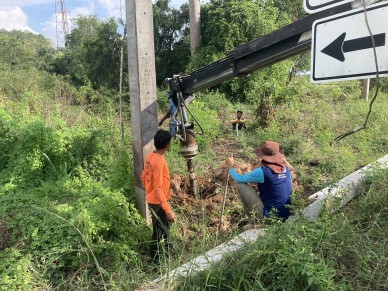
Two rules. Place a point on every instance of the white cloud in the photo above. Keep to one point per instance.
(113, 7)
(89, 9)
(23, 3)
(13, 17)
(49, 30)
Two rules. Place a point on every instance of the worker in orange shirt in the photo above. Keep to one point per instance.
(156, 181)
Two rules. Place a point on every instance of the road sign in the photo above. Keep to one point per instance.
(342, 47)
(312, 6)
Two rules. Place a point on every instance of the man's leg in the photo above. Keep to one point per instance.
(165, 230)
(160, 229)
(253, 206)
(154, 247)
(174, 126)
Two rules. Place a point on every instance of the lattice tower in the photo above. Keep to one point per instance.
(62, 23)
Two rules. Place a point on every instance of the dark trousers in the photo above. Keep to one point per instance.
(160, 230)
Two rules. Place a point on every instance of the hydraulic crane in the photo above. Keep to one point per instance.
(283, 43)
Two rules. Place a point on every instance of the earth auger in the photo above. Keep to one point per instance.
(185, 131)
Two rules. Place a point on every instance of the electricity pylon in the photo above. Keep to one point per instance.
(62, 23)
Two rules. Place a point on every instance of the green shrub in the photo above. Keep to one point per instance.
(18, 272)
(64, 197)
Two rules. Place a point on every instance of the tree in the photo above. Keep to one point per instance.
(171, 36)
(289, 10)
(92, 53)
(227, 24)
(23, 50)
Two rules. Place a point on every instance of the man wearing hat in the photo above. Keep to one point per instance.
(274, 182)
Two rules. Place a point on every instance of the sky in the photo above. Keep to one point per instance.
(38, 16)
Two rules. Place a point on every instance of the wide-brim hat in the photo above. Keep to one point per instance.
(270, 151)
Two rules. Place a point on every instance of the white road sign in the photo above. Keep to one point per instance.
(342, 47)
(311, 6)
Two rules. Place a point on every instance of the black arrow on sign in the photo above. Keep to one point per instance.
(339, 46)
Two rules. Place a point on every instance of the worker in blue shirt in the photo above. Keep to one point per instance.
(274, 180)
(172, 114)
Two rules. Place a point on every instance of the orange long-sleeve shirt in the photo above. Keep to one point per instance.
(156, 181)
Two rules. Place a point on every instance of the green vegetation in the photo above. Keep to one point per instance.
(92, 54)
(343, 251)
(60, 180)
(67, 207)
(172, 40)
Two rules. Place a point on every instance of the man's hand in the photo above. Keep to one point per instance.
(165, 116)
(171, 216)
(229, 162)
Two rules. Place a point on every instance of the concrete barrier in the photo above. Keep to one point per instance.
(342, 192)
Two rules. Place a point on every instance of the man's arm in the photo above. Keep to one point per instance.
(165, 116)
(160, 195)
(255, 176)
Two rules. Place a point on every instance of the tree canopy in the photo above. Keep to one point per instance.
(227, 24)
(23, 49)
(92, 53)
(171, 36)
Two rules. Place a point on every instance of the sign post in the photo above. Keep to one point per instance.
(342, 46)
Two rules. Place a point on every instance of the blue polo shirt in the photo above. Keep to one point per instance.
(275, 189)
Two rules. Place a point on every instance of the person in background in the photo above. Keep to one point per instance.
(238, 123)
(156, 181)
(172, 114)
(274, 180)
(176, 114)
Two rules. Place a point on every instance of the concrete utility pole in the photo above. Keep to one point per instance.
(142, 82)
(195, 25)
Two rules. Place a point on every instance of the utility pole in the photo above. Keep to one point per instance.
(142, 82)
(121, 86)
(62, 23)
(195, 25)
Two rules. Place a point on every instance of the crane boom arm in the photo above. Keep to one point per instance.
(259, 53)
